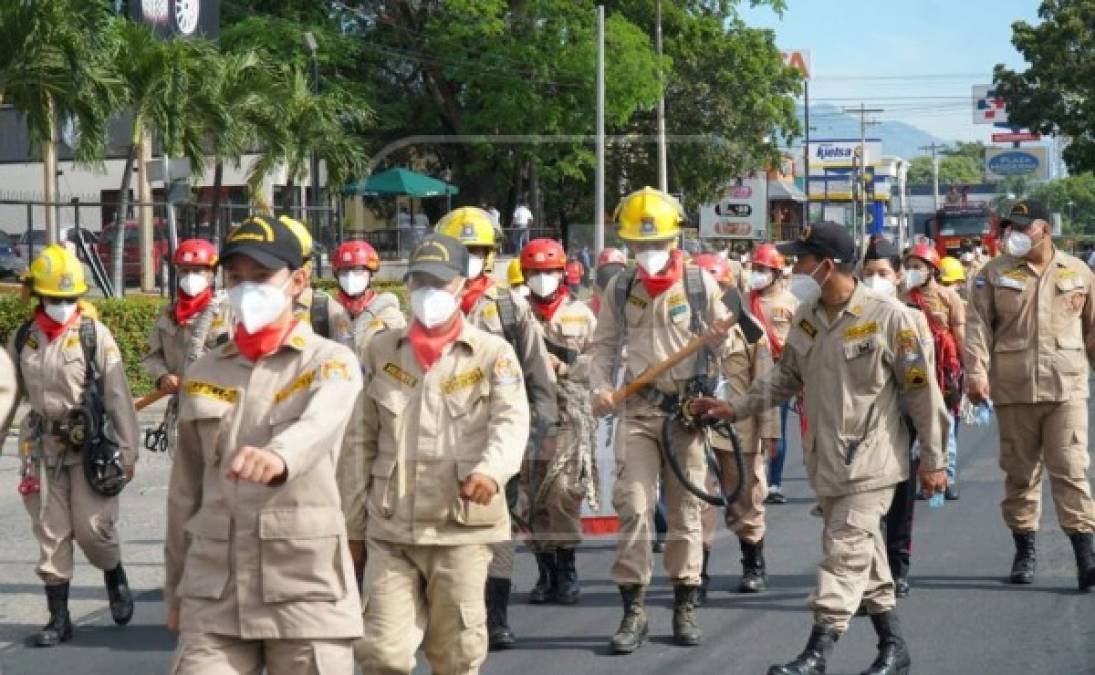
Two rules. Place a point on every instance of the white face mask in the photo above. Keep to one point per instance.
(258, 305)
(805, 287)
(354, 282)
(193, 284)
(914, 279)
(653, 261)
(1019, 243)
(760, 280)
(880, 284)
(432, 306)
(475, 266)
(60, 312)
(522, 290)
(543, 285)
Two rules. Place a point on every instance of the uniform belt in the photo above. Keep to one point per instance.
(567, 356)
(667, 403)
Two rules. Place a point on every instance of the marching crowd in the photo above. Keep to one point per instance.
(349, 484)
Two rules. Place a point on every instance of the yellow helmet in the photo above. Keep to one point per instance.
(57, 273)
(472, 226)
(950, 270)
(648, 215)
(514, 275)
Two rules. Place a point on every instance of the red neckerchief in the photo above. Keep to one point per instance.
(187, 307)
(428, 345)
(656, 284)
(473, 290)
(254, 346)
(545, 309)
(355, 306)
(51, 328)
(758, 311)
(595, 304)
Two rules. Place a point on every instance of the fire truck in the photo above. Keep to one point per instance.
(954, 223)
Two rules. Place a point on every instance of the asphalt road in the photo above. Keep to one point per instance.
(960, 618)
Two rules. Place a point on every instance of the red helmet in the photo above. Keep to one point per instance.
(715, 265)
(199, 252)
(543, 254)
(356, 253)
(611, 256)
(927, 253)
(768, 256)
(574, 272)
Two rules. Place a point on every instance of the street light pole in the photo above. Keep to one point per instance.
(599, 179)
(313, 47)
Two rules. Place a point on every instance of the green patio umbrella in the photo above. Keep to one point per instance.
(400, 182)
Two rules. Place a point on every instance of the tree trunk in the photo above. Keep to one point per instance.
(118, 252)
(215, 205)
(290, 198)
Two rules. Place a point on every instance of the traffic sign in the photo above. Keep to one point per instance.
(1016, 137)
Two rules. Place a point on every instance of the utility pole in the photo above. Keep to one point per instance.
(599, 180)
(933, 149)
(863, 111)
(663, 167)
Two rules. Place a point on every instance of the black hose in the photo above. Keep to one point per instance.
(724, 499)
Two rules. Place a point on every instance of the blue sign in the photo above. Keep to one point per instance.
(1015, 163)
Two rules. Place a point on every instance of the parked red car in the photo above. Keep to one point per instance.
(131, 262)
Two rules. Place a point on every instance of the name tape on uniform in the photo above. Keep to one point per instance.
(399, 375)
(211, 391)
(296, 386)
(860, 331)
(807, 328)
(460, 381)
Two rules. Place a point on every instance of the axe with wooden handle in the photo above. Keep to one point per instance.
(150, 398)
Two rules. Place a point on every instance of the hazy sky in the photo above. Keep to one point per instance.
(917, 59)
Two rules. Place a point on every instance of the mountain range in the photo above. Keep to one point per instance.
(898, 138)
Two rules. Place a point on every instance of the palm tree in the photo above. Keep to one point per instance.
(299, 122)
(53, 68)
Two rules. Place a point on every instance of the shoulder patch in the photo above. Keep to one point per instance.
(31, 342)
(72, 341)
(979, 281)
(334, 369)
(297, 341)
(399, 375)
(211, 391)
(808, 328)
(490, 311)
(296, 386)
(464, 380)
(860, 331)
(375, 324)
(218, 322)
(112, 355)
(506, 371)
(916, 378)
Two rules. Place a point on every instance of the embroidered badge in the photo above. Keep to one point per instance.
(400, 375)
(916, 378)
(296, 386)
(461, 381)
(860, 331)
(807, 328)
(506, 372)
(335, 370)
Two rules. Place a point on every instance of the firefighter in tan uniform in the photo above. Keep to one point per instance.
(259, 574)
(658, 319)
(848, 339)
(742, 364)
(355, 263)
(442, 427)
(564, 472)
(1031, 337)
(52, 373)
(187, 328)
(502, 312)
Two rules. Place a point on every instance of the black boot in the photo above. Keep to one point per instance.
(59, 628)
(633, 629)
(1085, 559)
(754, 578)
(544, 590)
(121, 599)
(893, 654)
(1024, 565)
(499, 634)
(567, 589)
(686, 632)
(812, 659)
(705, 580)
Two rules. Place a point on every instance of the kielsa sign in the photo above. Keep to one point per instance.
(1001, 163)
(841, 153)
(741, 211)
(178, 18)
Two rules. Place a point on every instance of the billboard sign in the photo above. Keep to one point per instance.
(988, 108)
(178, 18)
(1001, 163)
(841, 153)
(740, 213)
(800, 60)
(1016, 137)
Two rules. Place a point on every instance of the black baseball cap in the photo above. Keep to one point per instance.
(267, 241)
(881, 249)
(1025, 212)
(825, 240)
(439, 256)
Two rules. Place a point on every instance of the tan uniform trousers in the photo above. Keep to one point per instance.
(748, 511)
(557, 517)
(855, 567)
(1054, 436)
(639, 466)
(209, 654)
(72, 510)
(424, 593)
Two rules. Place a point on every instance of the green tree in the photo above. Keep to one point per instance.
(957, 170)
(1056, 94)
(1074, 198)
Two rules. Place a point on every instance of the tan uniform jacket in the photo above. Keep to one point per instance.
(854, 369)
(417, 435)
(259, 561)
(779, 306)
(1028, 333)
(531, 352)
(381, 314)
(740, 367)
(337, 317)
(9, 391)
(170, 345)
(656, 328)
(52, 377)
(569, 332)
(944, 303)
